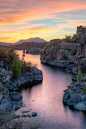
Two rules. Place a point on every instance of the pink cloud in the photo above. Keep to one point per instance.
(13, 11)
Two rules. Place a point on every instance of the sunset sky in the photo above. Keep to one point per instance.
(47, 19)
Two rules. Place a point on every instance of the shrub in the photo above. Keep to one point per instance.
(79, 77)
(7, 84)
(26, 66)
(68, 38)
(10, 55)
(16, 67)
(84, 89)
(66, 90)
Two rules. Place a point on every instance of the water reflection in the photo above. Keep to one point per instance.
(46, 99)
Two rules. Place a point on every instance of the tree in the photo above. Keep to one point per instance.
(16, 66)
(79, 77)
(68, 38)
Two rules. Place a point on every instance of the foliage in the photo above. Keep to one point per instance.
(84, 89)
(7, 55)
(10, 55)
(16, 67)
(68, 38)
(79, 77)
(7, 84)
(66, 90)
(74, 53)
(26, 66)
(3, 54)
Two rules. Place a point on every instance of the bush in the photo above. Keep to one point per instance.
(84, 89)
(26, 67)
(16, 67)
(10, 55)
(7, 84)
(68, 38)
(79, 77)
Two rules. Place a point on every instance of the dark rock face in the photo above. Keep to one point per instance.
(15, 96)
(59, 51)
(75, 96)
(7, 109)
(13, 88)
(66, 97)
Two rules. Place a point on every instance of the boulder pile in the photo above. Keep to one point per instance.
(10, 99)
(71, 56)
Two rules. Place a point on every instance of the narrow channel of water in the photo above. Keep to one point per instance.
(46, 99)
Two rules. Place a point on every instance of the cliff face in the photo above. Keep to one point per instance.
(57, 51)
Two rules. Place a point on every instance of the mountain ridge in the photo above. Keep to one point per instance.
(35, 40)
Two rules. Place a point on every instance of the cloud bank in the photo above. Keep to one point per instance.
(40, 18)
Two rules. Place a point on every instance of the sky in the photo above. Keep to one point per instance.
(47, 19)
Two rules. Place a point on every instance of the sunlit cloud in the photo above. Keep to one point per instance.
(40, 18)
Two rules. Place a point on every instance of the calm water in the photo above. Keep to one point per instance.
(46, 99)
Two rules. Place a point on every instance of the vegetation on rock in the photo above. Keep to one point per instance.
(16, 67)
(79, 77)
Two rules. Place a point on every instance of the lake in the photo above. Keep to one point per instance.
(46, 99)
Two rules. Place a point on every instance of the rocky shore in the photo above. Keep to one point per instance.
(10, 99)
(71, 56)
(75, 96)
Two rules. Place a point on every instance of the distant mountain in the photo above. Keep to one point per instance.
(5, 44)
(35, 40)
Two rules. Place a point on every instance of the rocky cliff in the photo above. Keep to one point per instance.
(58, 51)
(61, 53)
(72, 56)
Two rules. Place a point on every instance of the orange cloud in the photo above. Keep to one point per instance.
(14, 13)
(2, 39)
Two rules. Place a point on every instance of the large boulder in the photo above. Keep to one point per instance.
(74, 98)
(80, 106)
(66, 97)
(83, 98)
(13, 88)
(18, 104)
(15, 96)
(6, 110)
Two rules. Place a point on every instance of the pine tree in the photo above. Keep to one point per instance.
(16, 67)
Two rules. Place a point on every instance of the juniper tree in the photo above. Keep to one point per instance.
(16, 67)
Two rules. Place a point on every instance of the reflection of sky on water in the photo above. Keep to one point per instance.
(46, 99)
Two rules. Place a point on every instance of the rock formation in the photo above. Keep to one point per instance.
(60, 53)
(10, 99)
(72, 56)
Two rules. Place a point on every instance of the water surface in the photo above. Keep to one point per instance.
(46, 99)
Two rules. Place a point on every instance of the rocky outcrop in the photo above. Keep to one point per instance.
(72, 56)
(27, 77)
(10, 99)
(5, 75)
(75, 96)
(59, 53)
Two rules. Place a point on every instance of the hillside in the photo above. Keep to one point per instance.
(35, 40)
